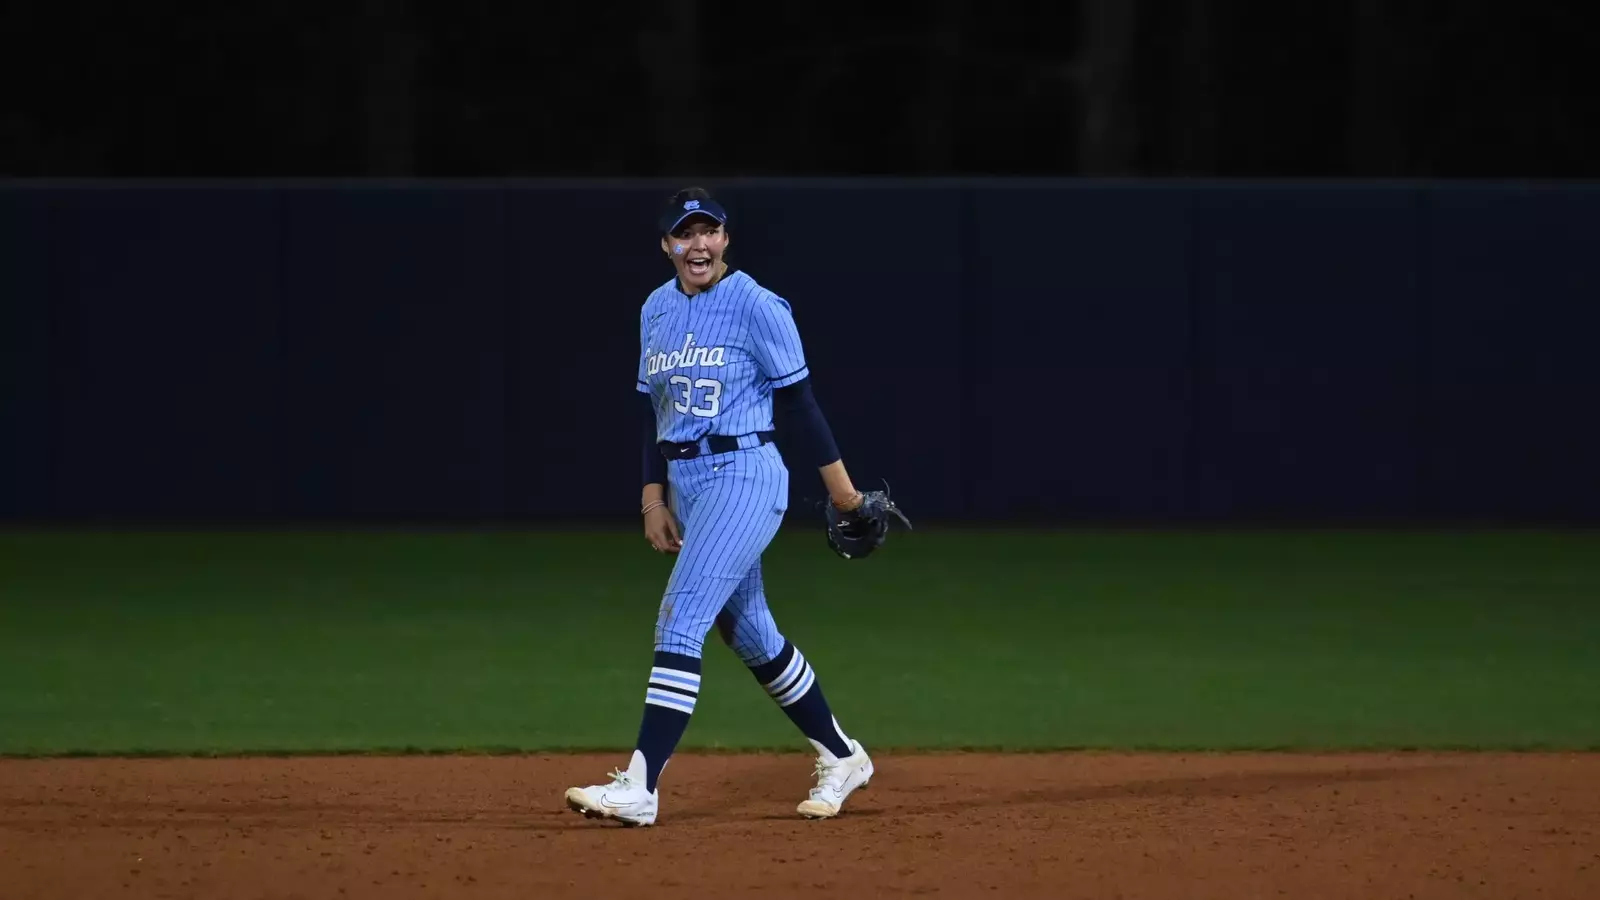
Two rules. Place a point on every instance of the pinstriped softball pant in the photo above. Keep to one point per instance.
(729, 507)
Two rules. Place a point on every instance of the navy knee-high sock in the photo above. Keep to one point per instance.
(668, 703)
(790, 680)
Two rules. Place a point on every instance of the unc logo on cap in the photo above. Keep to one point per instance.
(691, 204)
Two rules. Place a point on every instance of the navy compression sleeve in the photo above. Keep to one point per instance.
(798, 408)
(655, 465)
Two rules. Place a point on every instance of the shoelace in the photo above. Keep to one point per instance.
(825, 773)
(621, 779)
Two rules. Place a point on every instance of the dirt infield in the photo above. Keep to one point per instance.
(1059, 826)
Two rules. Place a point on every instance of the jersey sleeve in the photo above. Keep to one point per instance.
(643, 386)
(775, 341)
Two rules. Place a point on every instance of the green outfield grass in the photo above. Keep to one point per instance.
(186, 643)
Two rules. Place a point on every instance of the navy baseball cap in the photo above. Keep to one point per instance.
(706, 207)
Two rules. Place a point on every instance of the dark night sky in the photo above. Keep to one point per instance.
(1189, 87)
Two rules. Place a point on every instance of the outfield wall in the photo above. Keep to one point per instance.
(999, 350)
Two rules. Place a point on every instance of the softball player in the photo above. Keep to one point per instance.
(717, 354)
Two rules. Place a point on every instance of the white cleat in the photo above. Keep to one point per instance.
(836, 779)
(623, 799)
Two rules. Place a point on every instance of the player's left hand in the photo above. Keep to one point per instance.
(856, 533)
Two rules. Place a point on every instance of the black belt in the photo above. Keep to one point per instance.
(716, 443)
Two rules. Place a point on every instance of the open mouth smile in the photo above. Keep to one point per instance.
(698, 265)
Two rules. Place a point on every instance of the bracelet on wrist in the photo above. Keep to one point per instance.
(654, 504)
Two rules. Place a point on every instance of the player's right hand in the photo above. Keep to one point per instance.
(661, 530)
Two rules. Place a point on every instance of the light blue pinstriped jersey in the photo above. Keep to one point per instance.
(712, 361)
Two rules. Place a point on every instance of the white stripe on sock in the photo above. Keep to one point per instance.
(803, 684)
(790, 672)
(676, 677)
(672, 687)
(669, 700)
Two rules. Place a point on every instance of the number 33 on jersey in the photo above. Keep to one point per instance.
(712, 361)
